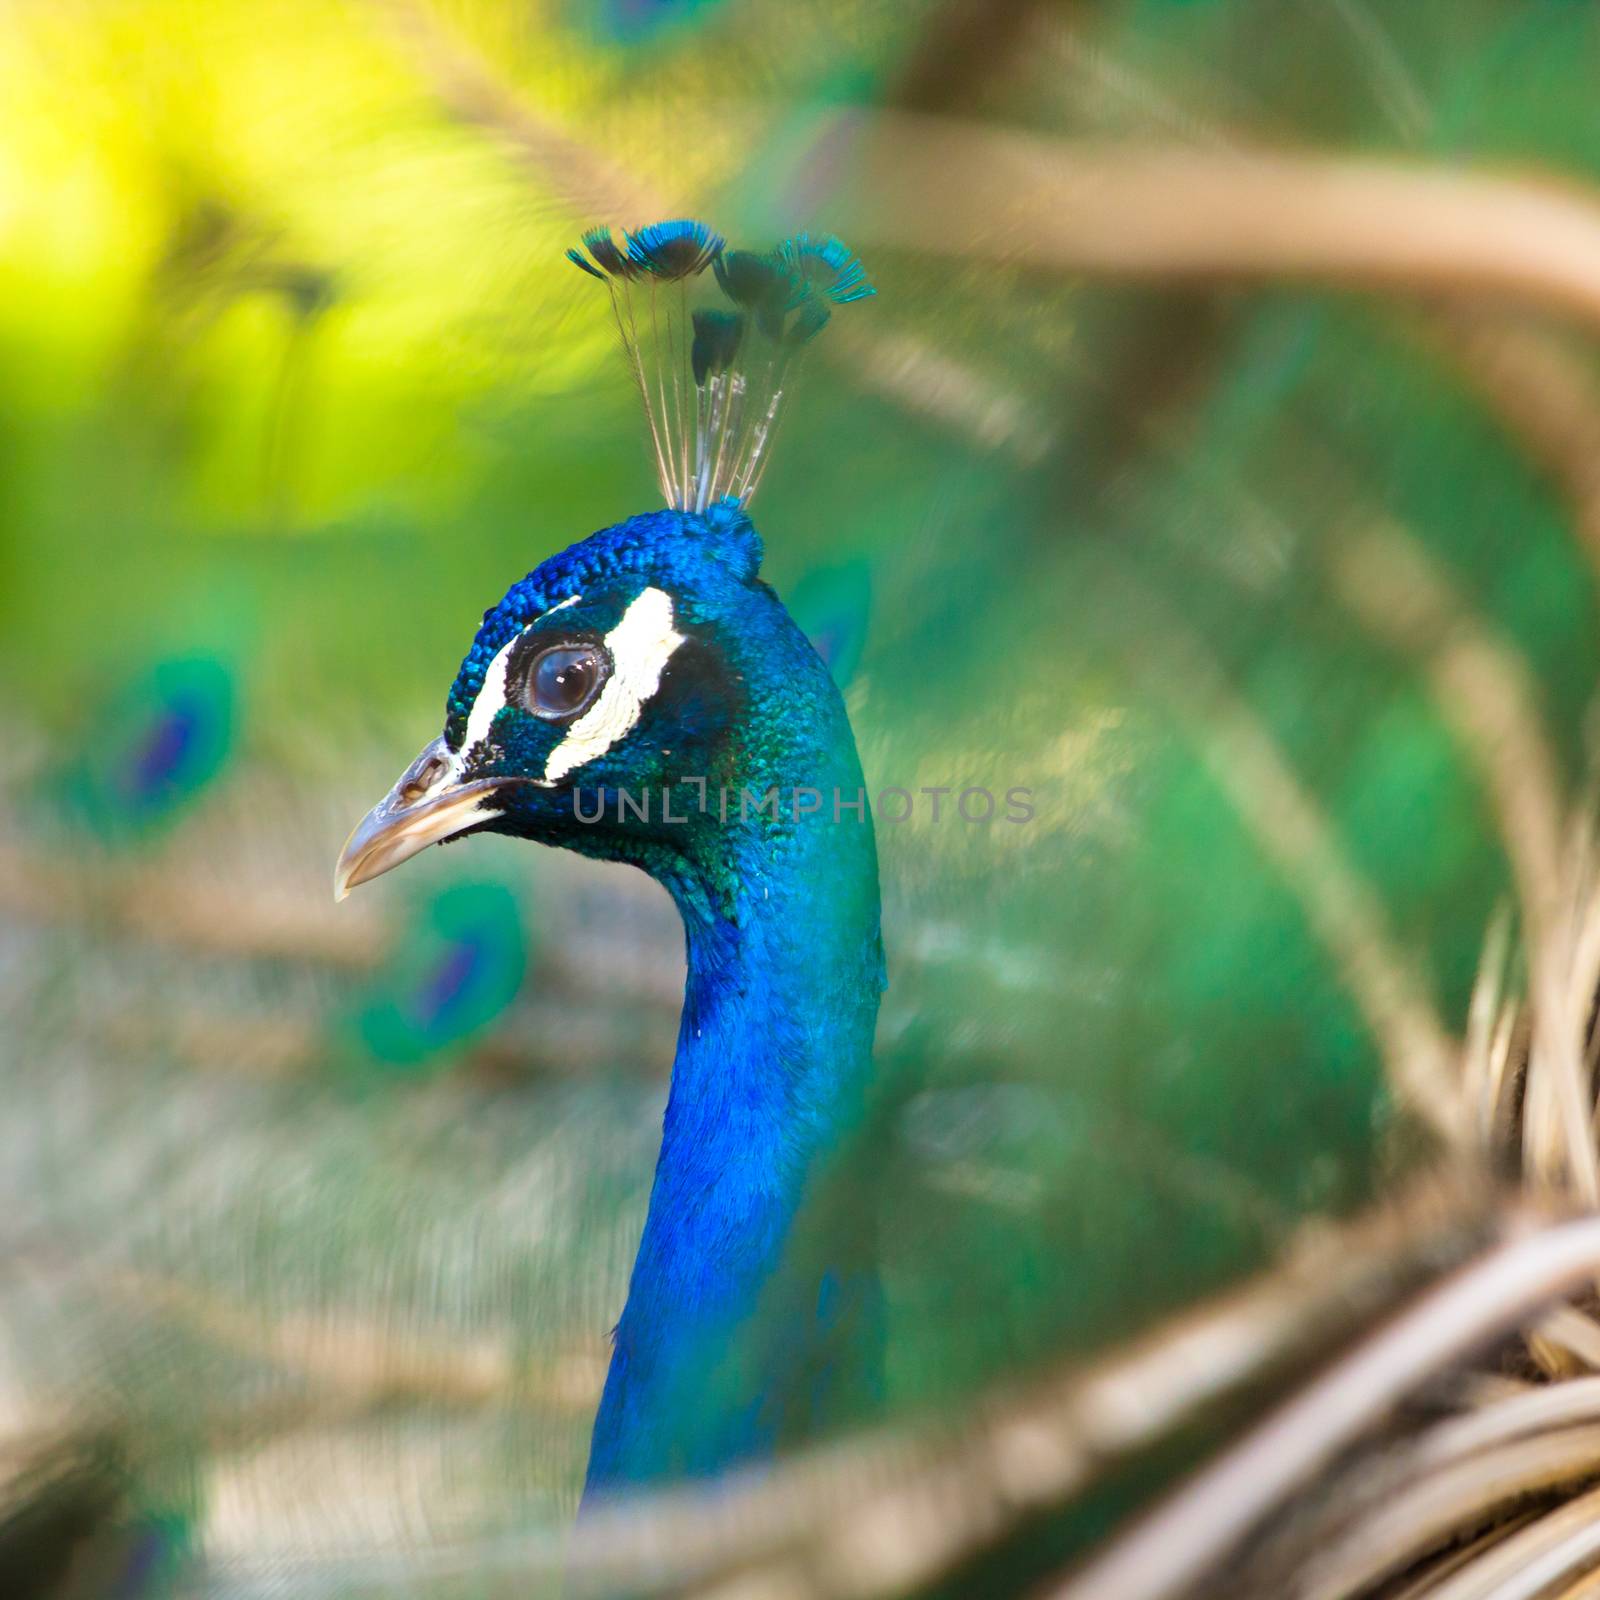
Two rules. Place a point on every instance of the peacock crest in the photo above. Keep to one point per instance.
(714, 357)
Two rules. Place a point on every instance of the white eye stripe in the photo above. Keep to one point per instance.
(491, 697)
(639, 646)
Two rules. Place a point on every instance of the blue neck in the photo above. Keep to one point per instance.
(732, 1343)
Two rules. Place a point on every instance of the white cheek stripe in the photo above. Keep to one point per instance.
(640, 646)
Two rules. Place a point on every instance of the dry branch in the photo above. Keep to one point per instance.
(977, 192)
(1169, 1550)
(1485, 691)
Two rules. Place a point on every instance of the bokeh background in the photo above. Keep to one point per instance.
(324, 1212)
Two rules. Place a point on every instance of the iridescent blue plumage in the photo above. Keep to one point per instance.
(780, 910)
(673, 250)
(645, 697)
(827, 266)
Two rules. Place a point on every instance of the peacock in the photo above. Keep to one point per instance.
(1214, 1210)
(645, 697)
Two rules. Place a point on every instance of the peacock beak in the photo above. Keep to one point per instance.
(425, 807)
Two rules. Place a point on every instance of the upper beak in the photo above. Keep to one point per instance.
(423, 808)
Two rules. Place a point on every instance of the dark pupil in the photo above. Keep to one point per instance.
(563, 679)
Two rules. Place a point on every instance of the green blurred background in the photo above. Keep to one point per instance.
(333, 1208)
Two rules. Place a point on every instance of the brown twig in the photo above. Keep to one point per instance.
(1545, 394)
(1484, 689)
(980, 193)
(1169, 1550)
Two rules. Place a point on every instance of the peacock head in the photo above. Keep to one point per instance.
(620, 701)
(623, 695)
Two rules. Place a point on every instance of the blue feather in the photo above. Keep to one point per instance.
(718, 449)
(611, 261)
(673, 250)
(733, 1340)
(826, 264)
(754, 1314)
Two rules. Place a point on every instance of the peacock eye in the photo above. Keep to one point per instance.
(563, 679)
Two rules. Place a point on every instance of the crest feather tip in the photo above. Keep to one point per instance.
(714, 378)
